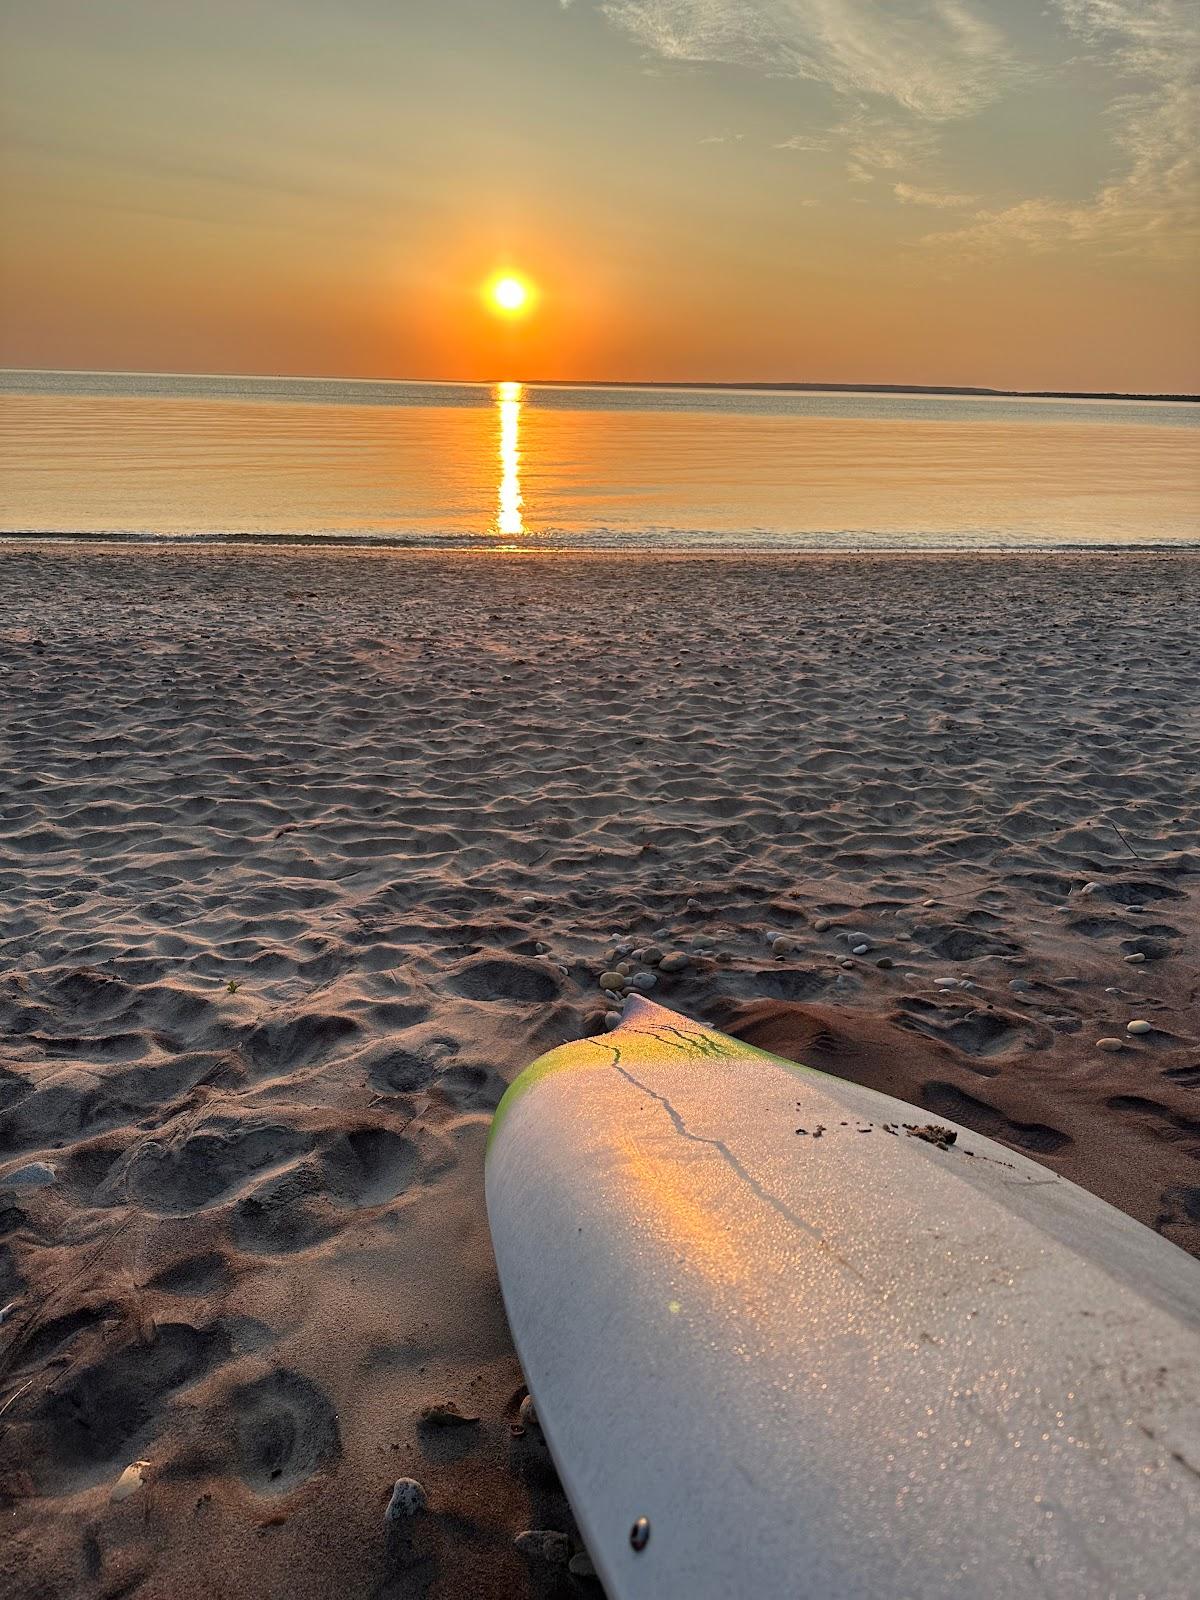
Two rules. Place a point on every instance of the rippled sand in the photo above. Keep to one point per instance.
(302, 858)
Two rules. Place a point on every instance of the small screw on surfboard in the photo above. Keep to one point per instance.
(639, 1534)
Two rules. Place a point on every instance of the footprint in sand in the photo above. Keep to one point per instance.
(286, 1430)
(505, 978)
(471, 1088)
(299, 1041)
(108, 1412)
(948, 1101)
(1173, 1126)
(285, 1214)
(198, 1275)
(395, 1070)
(1179, 1208)
(369, 1166)
(214, 1160)
(977, 1032)
(49, 1338)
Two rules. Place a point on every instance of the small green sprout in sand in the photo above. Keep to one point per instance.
(233, 986)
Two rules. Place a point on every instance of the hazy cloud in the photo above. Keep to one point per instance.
(913, 196)
(801, 141)
(1153, 204)
(908, 66)
(937, 58)
(884, 143)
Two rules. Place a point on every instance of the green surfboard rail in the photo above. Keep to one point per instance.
(705, 1044)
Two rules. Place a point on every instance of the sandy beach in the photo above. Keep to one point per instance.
(304, 855)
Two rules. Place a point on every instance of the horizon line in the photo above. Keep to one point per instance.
(765, 385)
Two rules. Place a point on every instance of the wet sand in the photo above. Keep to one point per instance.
(303, 856)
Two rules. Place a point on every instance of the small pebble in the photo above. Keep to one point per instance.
(626, 968)
(1019, 985)
(785, 947)
(860, 949)
(130, 1480)
(946, 983)
(1089, 888)
(858, 938)
(408, 1497)
(912, 977)
(34, 1175)
(693, 905)
(885, 963)
(1137, 910)
(528, 1412)
(1112, 1045)
(1136, 958)
(612, 1019)
(674, 961)
(612, 980)
(7, 1311)
(544, 1544)
(1138, 1026)
(529, 899)
(929, 902)
(652, 955)
(822, 925)
(580, 1565)
(773, 935)
(845, 962)
(643, 981)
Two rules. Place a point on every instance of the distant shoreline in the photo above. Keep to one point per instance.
(746, 386)
(868, 388)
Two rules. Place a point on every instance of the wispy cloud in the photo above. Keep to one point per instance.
(937, 58)
(913, 196)
(883, 143)
(801, 141)
(1153, 204)
(905, 68)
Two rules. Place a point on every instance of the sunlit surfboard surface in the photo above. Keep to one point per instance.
(786, 1337)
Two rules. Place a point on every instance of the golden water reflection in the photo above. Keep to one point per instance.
(508, 512)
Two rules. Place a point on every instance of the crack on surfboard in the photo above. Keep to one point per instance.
(612, 1049)
(703, 1044)
(688, 1044)
(727, 1155)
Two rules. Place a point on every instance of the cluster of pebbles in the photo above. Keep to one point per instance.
(542, 1547)
(632, 968)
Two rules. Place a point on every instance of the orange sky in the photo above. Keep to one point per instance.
(806, 190)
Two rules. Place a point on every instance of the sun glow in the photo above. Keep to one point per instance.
(509, 295)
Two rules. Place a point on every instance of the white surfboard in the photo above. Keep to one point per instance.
(865, 1359)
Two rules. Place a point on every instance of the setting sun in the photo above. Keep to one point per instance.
(509, 294)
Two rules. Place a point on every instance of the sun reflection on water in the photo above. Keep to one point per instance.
(509, 520)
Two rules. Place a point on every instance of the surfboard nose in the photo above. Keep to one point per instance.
(792, 1327)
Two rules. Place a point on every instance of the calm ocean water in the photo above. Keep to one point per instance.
(464, 465)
